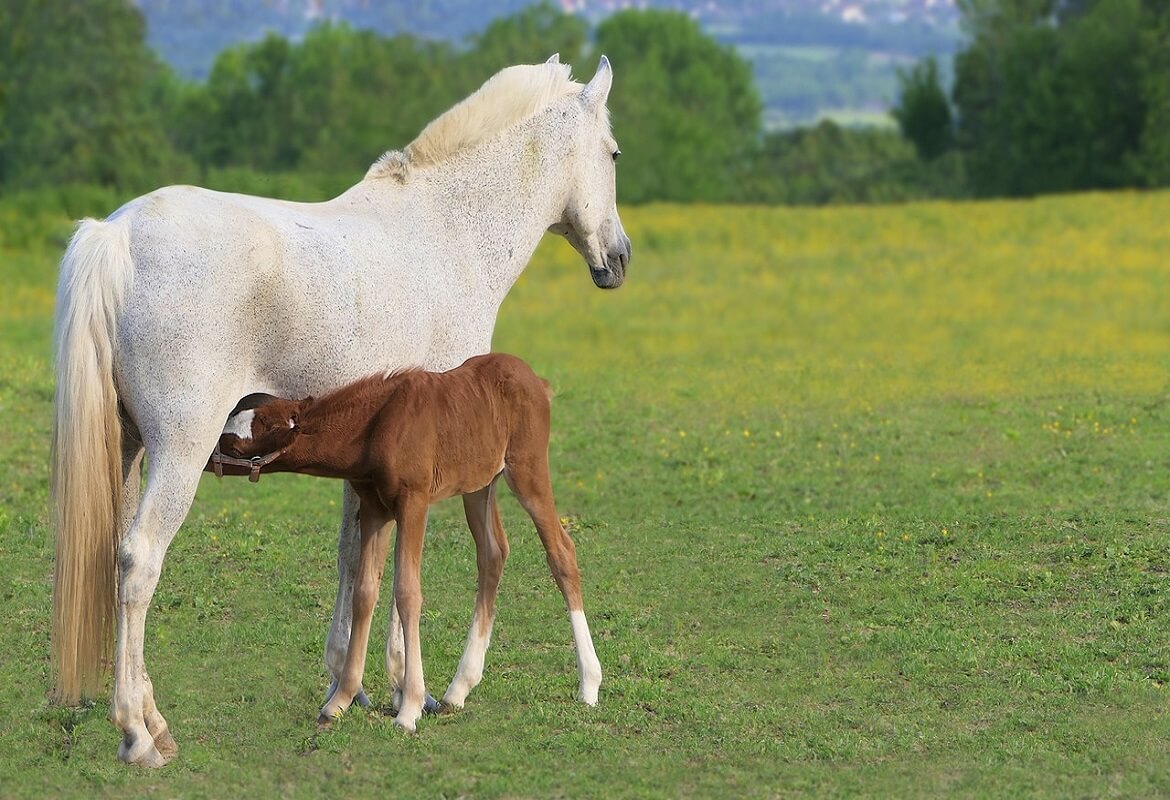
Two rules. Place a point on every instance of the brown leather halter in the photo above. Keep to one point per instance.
(255, 463)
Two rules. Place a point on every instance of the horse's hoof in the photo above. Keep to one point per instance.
(446, 709)
(148, 756)
(362, 699)
(432, 706)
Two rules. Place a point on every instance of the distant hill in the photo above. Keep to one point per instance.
(811, 58)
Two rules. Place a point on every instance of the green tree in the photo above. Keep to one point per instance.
(923, 112)
(685, 109)
(829, 164)
(339, 98)
(247, 114)
(77, 85)
(367, 94)
(1154, 155)
(1052, 101)
(528, 37)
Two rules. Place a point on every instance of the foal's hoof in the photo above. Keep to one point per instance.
(430, 704)
(407, 726)
(361, 698)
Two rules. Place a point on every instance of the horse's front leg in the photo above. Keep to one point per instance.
(348, 550)
(375, 538)
(408, 545)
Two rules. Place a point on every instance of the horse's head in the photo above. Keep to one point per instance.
(259, 431)
(590, 221)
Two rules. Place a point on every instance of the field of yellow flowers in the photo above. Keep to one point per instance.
(868, 502)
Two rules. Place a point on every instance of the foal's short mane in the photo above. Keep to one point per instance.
(355, 397)
(509, 97)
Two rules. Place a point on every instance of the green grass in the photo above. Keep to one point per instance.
(868, 502)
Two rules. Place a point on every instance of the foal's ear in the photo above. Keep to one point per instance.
(597, 90)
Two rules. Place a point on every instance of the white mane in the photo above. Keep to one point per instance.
(509, 97)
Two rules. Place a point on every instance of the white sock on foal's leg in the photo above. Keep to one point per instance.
(588, 667)
(470, 670)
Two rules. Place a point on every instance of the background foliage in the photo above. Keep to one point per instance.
(1047, 97)
(1058, 100)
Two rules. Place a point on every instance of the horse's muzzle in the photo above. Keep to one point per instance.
(613, 272)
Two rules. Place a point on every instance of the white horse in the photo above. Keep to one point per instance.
(185, 300)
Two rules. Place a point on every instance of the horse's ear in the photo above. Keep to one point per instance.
(597, 90)
(555, 58)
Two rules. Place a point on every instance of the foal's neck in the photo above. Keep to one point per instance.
(334, 428)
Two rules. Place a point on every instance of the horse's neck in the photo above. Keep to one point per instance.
(501, 198)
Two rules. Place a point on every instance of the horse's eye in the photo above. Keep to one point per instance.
(616, 153)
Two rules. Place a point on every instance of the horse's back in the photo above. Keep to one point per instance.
(264, 289)
(188, 229)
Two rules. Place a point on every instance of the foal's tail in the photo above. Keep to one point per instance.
(87, 455)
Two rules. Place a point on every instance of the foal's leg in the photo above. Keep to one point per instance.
(375, 539)
(348, 548)
(396, 665)
(491, 551)
(408, 546)
(529, 479)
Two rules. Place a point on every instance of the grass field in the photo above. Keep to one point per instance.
(868, 502)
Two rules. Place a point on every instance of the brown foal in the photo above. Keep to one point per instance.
(404, 441)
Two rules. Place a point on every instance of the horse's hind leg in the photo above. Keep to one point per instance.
(491, 551)
(169, 491)
(131, 495)
(529, 479)
(375, 538)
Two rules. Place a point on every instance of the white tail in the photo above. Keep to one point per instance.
(87, 455)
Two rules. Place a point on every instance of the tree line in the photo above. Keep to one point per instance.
(1049, 95)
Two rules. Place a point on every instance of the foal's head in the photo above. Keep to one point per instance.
(261, 430)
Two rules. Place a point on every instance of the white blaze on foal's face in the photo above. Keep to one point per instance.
(240, 424)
